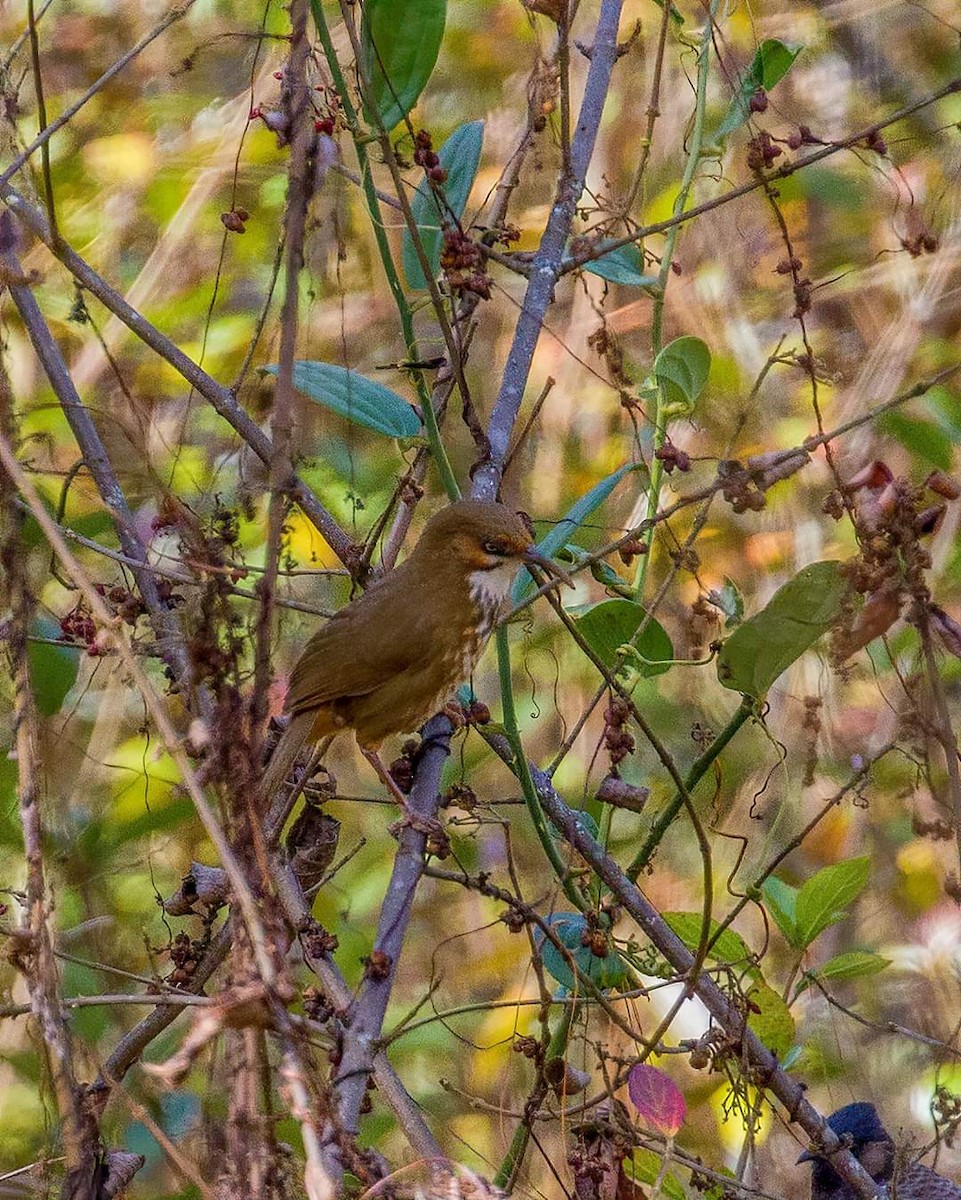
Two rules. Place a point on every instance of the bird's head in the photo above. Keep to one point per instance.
(860, 1126)
(487, 541)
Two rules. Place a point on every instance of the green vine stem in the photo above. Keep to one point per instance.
(507, 1171)
(522, 770)
(694, 777)
(661, 416)
(361, 140)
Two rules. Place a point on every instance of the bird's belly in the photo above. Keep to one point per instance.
(402, 704)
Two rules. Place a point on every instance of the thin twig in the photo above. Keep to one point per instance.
(175, 14)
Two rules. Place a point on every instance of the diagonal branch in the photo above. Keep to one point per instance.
(165, 624)
(221, 398)
(767, 1071)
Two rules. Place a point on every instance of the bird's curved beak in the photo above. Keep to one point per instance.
(533, 556)
(806, 1156)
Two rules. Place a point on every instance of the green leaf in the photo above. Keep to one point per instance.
(923, 438)
(647, 1169)
(771, 62)
(53, 669)
(623, 265)
(607, 972)
(460, 157)
(353, 396)
(781, 901)
(855, 964)
(681, 371)
(730, 948)
(772, 1022)
(823, 900)
(575, 516)
(945, 406)
(764, 646)
(609, 624)
(399, 46)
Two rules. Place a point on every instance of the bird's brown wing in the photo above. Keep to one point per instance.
(385, 632)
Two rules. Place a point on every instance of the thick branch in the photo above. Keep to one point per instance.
(366, 1019)
(546, 267)
(767, 1071)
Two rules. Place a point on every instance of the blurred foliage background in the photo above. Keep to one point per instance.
(142, 174)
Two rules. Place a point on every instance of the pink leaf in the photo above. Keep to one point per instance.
(657, 1098)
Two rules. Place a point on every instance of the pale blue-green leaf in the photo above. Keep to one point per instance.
(399, 46)
(729, 601)
(355, 397)
(575, 516)
(623, 265)
(604, 972)
(460, 157)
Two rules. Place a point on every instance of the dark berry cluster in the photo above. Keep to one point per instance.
(462, 261)
(672, 458)
(617, 741)
(424, 156)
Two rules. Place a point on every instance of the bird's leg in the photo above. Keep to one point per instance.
(426, 825)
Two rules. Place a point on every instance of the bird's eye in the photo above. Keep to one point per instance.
(493, 547)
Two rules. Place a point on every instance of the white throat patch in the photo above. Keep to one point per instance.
(489, 589)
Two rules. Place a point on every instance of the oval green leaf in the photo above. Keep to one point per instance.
(460, 158)
(607, 972)
(770, 1018)
(623, 265)
(730, 948)
(53, 669)
(647, 1167)
(764, 646)
(824, 898)
(681, 370)
(854, 964)
(353, 396)
(923, 438)
(609, 624)
(399, 46)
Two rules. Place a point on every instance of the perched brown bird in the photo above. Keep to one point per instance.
(873, 1147)
(390, 659)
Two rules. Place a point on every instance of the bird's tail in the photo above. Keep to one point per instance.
(284, 756)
